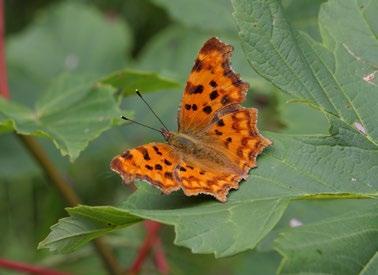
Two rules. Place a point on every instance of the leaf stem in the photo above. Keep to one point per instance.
(56, 178)
(151, 241)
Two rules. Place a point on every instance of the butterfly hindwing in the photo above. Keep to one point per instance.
(198, 179)
(153, 162)
(237, 136)
(211, 86)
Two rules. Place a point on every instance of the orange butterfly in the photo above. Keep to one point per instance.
(217, 141)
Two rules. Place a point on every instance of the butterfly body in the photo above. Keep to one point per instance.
(192, 150)
(217, 141)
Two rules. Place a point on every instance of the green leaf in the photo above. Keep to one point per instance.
(295, 116)
(303, 15)
(84, 224)
(353, 24)
(71, 113)
(330, 77)
(346, 244)
(86, 43)
(371, 267)
(129, 80)
(208, 227)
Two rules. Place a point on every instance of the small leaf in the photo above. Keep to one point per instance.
(345, 244)
(71, 113)
(84, 224)
(130, 80)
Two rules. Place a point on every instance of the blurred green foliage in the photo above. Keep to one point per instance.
(48, 40)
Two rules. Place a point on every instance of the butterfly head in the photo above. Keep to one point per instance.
(167, 135)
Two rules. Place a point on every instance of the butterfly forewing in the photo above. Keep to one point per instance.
(211, 86)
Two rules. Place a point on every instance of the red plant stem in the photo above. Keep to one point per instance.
(4, 90)
(32, 269)
(160, 260)
(149, 241)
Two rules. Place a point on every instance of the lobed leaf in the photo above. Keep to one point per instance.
(71, 113)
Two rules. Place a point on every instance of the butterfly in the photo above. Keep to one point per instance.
(217, 141)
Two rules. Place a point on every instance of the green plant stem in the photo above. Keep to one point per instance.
(38, 153)
(69, 195)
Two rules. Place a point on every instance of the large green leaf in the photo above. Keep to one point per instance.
(342, 165)
(329, 76)
(344, 245)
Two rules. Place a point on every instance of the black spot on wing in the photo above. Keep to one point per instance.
(167, 162)
(207, 109)
(220, 123)
(168, 175)
(196, 89)
(218, 133)
(144, 152)
(213, 84)
(213, 95)
(157, 150)
(127, 155)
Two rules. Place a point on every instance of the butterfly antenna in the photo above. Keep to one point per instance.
(149, 107)
(141, 124)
